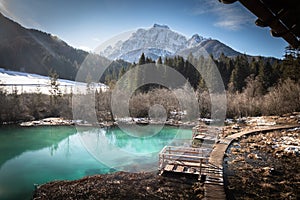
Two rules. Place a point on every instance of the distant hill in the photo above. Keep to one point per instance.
(36, 52)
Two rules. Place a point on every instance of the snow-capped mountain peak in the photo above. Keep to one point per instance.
(160, 26)
(195, 40)
(158, 40)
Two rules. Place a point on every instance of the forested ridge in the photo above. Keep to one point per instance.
(254, 86)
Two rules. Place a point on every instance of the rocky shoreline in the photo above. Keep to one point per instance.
(57, 121)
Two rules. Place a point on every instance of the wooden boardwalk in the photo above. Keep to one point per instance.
(207, 163)
(215, 191)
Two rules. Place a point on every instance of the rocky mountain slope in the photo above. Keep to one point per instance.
(160, 40)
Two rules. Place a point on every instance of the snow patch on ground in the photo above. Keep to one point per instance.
(34, 83)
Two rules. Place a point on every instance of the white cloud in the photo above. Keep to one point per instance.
(229, 16)
(206, 6)
(85, 48)
(97, 39)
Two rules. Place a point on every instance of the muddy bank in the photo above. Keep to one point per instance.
(121, 185)
(262, 167)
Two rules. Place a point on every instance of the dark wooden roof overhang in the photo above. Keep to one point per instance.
(282, 16)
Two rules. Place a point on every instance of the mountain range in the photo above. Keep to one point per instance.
(34, 51)
(160, 40)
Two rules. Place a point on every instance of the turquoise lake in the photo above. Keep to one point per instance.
(36, 155)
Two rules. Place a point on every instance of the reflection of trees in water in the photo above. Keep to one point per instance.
(24, 139)
(53, 149)
(65, 145)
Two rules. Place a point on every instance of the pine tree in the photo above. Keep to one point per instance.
(191, 74)
(142, 59)
(291, 64)
(54, 87)
(149, 60)
(265, 76)
(239, 73)
(224, 68)
(159, 61)
(254, 66)
(122, 72)
(179, 66)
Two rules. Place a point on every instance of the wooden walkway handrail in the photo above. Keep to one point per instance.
(187, 162)
(184, 156)
(181, 147)
(190, 152)
(185, 149)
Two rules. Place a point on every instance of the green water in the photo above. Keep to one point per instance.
(36, 155)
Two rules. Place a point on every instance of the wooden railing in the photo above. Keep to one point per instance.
(193, 159)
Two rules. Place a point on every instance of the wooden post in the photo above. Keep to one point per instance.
(160, 162)
(163, 161)
(200, 171)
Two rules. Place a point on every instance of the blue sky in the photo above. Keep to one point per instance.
(86, 24)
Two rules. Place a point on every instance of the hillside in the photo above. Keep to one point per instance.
(37, 52)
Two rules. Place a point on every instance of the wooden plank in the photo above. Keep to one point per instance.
(191, 170)
(214, 192)
(190, 164)
(179, 168)
(214, 183)
(169, 167)
(213, 171)
(214, 179)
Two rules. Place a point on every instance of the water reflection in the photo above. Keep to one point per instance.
(124, 152)
(35, 155)
(16, 140)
